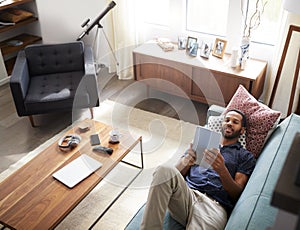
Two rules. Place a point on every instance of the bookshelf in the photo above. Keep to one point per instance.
(21, 31)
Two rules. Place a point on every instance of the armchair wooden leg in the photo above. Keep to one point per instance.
(92, 113)
(31, 121)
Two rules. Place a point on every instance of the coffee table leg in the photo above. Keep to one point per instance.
(124, 189)
(142, 158)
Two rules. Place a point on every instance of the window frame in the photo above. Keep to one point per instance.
(234, 25)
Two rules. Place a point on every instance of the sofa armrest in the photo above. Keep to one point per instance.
(214, 110)
(19, 82)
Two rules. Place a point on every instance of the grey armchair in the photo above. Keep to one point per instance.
(52, 77)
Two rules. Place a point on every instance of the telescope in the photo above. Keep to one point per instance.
(96, 21)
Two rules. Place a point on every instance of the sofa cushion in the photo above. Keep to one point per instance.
(169, 222)
(260, 118)
(253, 209)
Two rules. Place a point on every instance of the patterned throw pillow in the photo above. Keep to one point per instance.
(215, 124)
(260, 118)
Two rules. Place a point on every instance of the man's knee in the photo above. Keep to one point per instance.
(164, 173)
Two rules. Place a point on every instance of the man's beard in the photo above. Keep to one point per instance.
(233, 135)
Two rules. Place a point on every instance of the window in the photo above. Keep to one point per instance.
(269, 23)
(208, 19)
(207, 16)
(222, 17)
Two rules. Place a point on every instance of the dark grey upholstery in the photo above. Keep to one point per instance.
(53, 77)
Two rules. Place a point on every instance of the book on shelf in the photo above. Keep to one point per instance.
(2, 24)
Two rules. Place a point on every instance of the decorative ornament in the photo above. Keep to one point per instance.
(245, 45)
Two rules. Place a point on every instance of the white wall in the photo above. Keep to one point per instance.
(61, 20)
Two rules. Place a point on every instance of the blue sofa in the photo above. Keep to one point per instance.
(253, 209)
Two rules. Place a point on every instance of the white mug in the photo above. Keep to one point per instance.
(114, 136)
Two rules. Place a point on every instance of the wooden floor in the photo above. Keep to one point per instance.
(18, 137)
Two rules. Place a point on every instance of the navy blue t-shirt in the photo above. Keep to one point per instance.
(237, 159)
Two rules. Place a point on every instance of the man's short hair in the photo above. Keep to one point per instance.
(244, 119)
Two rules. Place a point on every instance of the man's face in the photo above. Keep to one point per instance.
(232, 125)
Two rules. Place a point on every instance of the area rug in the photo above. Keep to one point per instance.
(164, 140)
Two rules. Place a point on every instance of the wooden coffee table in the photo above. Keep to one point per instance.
(32, 199)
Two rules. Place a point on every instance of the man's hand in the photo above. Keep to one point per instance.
(186, 161)
(234, 186)
(214, 158)
(190, 157)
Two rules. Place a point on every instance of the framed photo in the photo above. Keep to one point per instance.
(181, 43)
(190, 42)
(193, 49)
(219, 48)
(205, 49)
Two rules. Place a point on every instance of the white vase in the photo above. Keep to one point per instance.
(245, 45)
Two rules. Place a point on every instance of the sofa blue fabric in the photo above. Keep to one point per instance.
(169, 222)
(253, 209)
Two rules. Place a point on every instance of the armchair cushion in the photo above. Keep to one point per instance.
(54, 94)
(49, 59)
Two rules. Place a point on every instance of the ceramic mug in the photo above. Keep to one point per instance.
(114, 136)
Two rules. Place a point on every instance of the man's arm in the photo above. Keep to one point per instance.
(184, 164)
(234, 186)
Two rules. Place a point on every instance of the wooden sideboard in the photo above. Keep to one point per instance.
(210, 81)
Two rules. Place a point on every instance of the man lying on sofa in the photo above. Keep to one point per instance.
(202, 200)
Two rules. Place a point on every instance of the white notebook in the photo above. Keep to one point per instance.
(77, 170)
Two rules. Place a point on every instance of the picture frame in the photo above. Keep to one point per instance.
(193, 49)
(219, 48)
(190, 42)
(181, 43)
(205, 50)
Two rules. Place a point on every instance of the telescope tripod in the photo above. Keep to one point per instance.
(96, 46)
